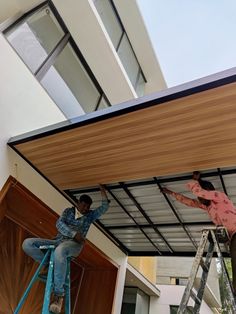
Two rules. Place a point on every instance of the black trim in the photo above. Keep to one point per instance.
(164, 225)
(173, 93)
(160, 180)
(126, 211)
(176, 214)
(175, 254)
(142, 211)
(119, 42)
(98, 102)
(57, 16)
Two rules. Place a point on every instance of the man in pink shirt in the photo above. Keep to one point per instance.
(219, 207)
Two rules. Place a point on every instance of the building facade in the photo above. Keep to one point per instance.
(61, 60)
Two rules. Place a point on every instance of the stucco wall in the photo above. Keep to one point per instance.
(171, 295)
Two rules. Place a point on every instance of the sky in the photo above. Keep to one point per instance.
(192, 38)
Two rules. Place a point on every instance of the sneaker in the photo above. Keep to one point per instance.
(56, 305)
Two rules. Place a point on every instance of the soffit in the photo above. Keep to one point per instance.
(151, 138)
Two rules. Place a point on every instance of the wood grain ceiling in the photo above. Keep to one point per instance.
(193, 132)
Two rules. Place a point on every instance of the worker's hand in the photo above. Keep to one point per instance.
(102, 188)
(165, 190)
(103, 192)
(196, 175)
(79, 238)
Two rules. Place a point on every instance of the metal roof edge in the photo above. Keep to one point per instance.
(209, 82)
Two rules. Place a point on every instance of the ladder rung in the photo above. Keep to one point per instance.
(194, 297)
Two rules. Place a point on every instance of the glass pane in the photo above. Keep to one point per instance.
(109, 19)
(173, 309)
(142, 303)
(140, 87)
(128, 308)
(128, 59)
(70, 86)
(61, 94)
(129, 301)
(36, 37)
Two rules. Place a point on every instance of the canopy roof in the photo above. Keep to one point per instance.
(133, 147)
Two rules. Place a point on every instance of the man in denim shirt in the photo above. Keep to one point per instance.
(68, 242)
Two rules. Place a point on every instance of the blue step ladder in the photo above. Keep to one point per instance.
(46, 302)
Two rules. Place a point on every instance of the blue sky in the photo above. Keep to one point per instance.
(192, 38)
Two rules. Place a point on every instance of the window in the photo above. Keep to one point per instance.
(110, 20)
(121, 43)
(35, 37)
(135, 301)
(179, 281)
(174, 309)
(69, 84)
(48, 50)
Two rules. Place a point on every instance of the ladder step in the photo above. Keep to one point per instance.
(194, 297)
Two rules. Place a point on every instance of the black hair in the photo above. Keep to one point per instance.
(206, 185)
(86, 199)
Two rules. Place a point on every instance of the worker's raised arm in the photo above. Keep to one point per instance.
(96, 213)
(183, 199)
(197, 190)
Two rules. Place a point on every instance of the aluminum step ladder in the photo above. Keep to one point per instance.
(212, 237)
(49, 283)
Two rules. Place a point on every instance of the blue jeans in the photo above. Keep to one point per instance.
(63, 250)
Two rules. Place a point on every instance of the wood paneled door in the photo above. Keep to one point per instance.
(23, 215)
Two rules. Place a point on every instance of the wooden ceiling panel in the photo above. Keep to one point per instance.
(192, 132)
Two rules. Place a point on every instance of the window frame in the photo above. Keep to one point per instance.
(7, 27)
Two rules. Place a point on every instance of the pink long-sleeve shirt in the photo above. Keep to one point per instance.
(221, 210)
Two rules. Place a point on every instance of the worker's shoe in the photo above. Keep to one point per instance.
(56, 305)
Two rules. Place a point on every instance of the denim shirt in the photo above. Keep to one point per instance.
(67, 225)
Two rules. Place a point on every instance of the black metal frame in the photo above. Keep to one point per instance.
(155, 181)
(136, 224)
(142, 211)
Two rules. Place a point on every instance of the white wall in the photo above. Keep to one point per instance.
(105, 245)
(25, 106)
(181, 268)
(13, 7)
(171, 295)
